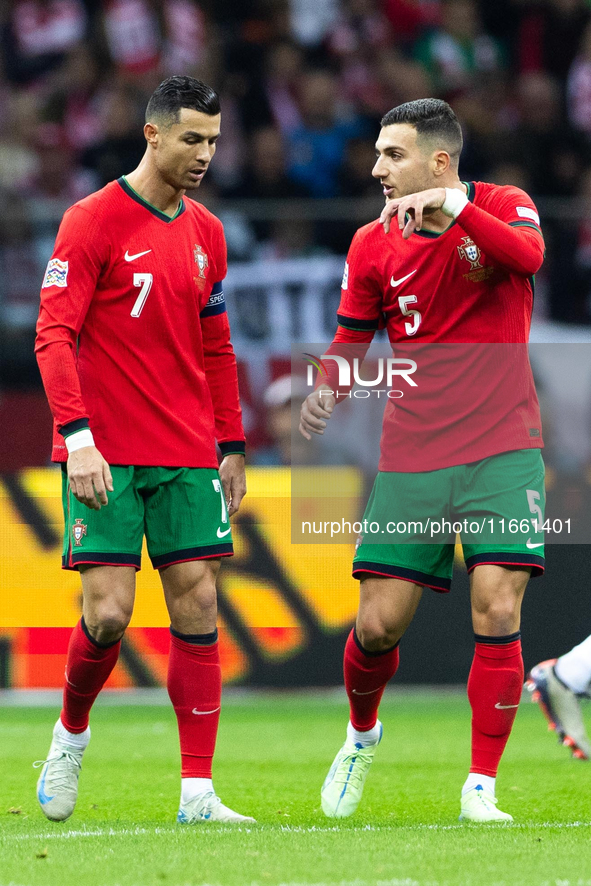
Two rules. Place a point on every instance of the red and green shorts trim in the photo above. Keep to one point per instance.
(489, 498)
(181, 512)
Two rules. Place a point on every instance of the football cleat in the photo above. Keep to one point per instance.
(561, 707)
(480, 807)
(209, 807)
(57, 787)
(343, 786)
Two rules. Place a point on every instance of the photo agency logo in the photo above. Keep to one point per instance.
(345, 375)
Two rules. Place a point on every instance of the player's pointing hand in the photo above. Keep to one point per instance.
(316, 410)
(90, 477)
(415, 205)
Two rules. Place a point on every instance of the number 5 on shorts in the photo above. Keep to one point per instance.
(533, 498)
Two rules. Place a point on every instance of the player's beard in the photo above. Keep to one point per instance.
(419, 183)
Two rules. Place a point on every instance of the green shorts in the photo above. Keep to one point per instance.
(181, 511)
(495, 505)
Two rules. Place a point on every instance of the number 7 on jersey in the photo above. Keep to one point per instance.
(145, 281)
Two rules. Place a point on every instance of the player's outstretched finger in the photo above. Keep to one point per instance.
(408, 228)
(418, 217)
(386, 215)
(401, 215)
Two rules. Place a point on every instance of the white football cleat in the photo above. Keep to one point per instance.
(57, 787)
(209, 807)
(561, 707)
(343, 786)
(480, 806)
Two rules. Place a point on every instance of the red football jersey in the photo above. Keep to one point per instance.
(133, 339)
(439, 295)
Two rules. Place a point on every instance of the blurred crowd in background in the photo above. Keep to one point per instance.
(303, 85)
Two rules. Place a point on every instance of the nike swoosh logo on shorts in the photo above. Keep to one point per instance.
(225, 532)
(129, 257)
(195, 711)
(371, 691)
(529, 544)
(396, 283)
(505, 707)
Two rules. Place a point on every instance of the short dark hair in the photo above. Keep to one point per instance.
(175, 93)
(432, 119)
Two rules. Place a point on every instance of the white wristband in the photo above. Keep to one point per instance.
(79, 439)
(455, 201)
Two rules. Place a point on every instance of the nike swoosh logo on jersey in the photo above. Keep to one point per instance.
(129, 257)
(371, 691)
(505, 707)
(529, 544)
(195, 711)
(225, 532)
(396, 283)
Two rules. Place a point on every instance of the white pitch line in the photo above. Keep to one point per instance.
(284, 829)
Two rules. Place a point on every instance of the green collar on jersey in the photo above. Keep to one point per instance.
(149, 206)
(432, 235)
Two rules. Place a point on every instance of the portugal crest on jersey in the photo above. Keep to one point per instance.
(78, 531)
(470, 251)
(201, 259)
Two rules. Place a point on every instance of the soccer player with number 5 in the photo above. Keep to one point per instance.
(133, 344)
(455, 273)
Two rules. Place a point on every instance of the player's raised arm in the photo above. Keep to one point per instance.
(66, 293)
(508, 231)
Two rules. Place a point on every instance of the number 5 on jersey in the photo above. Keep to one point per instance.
(145, 282)
(404, 301)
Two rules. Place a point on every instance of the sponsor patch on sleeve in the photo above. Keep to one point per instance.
(526, 212)
(56, 273)
(216, 303)
(345, 283)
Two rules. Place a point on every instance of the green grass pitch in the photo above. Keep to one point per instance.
(273, 753)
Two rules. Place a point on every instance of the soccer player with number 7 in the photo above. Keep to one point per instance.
(133, 345)
(449, 265)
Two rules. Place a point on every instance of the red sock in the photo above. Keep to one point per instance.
(494, 691)
(195, 690)
(366, 677)
(87, 668)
